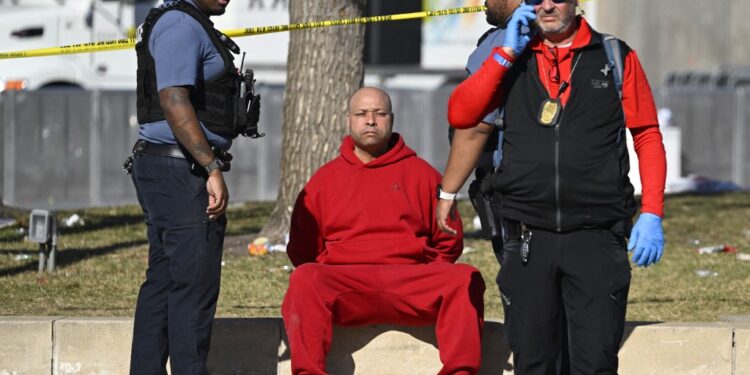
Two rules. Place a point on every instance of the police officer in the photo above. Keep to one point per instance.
(567, 202)
(187, 95)
(497, 14)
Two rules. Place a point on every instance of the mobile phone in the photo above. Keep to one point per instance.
(533, 30)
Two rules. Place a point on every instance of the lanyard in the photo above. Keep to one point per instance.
(565, 84)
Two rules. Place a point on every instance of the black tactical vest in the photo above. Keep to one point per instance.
(573, 175)
(215, 100)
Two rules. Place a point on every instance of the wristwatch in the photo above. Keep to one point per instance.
(444, 195)
(215, 164)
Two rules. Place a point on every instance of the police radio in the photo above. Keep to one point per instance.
(251, 102)
(252, 109)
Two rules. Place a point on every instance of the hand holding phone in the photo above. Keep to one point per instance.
(515, 38)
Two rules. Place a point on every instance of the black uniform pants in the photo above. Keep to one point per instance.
(176, 304)
(579, 279)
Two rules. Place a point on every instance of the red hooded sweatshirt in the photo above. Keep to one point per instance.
(382, 212)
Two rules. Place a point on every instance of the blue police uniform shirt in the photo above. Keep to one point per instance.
(481, 53)
(183, 54)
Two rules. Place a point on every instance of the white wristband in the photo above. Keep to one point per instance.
(446, 196)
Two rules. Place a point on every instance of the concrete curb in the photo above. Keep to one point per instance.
(26, 345)
(61, 345)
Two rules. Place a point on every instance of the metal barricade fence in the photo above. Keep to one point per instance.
(714, 125)
(65, 149)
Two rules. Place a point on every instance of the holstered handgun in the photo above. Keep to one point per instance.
(480, 193)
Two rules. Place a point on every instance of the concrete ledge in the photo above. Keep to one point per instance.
(26, 345)
(389, 349)
(91, 345)
(742, 349)
(677, 348)
(53, 345)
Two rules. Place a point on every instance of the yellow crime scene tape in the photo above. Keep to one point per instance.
(112, 45)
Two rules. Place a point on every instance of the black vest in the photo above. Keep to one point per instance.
(574, 175)
(215, 100)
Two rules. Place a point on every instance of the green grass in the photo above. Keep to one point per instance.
(102, 263)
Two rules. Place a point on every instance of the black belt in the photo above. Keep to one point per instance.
(172, 151)
(514, 228)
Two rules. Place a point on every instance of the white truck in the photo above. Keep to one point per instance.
(33, 24)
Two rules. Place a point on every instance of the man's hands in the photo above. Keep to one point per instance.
(218, 195)
(515, 39)
(445, 208)
(647, 238)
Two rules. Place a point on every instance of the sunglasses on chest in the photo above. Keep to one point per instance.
(539, 2)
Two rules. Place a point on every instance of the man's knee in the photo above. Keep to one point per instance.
(301, 283)
(466, 276)
(466, 282)
(304, 273)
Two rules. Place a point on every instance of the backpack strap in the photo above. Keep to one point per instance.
(615, 59)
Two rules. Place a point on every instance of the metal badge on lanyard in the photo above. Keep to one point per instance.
(549, 112)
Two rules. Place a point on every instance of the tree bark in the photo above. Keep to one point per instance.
(324, 67)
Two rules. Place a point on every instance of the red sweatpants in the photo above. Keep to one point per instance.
(446, 294)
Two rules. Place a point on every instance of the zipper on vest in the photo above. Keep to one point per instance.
(558, 213)
(543, 90)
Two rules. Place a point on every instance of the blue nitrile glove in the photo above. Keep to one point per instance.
(514, 37)
(647, 238)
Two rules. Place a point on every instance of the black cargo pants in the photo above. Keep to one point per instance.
(581, 276)
(176, 304)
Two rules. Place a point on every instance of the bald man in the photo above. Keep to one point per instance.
(368, 250)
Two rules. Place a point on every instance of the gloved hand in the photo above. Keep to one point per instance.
(514, 37)
(647, 238)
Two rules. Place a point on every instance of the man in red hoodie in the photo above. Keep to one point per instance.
(368, 250)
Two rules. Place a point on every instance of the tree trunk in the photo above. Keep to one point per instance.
(324, 67)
